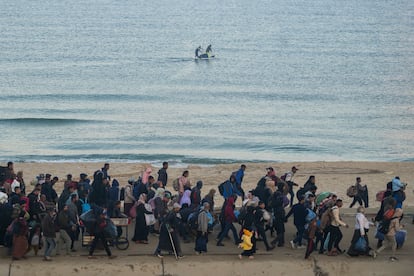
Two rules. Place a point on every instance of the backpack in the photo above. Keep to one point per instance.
(283, 177)
(122, 194)
(85, 205)
(310, 216)
(176, 185)
(384, 225)
(351, 191)
(221, 188)
(193, 220)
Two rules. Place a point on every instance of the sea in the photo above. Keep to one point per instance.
(116, 81)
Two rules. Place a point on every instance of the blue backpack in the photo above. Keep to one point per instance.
(85, 205)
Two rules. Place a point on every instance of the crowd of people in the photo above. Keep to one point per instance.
(177, 213)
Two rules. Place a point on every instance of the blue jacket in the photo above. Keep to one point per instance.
(239, 177)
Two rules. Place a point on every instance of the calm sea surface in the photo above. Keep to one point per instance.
(292, 80)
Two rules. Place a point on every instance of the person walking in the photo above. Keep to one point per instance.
(49, 233)
(299, 219)
(361, 230)
(229, 219)
(335, 231)
(390, 236)
(99, 235)
(163, 175)
(202, 229)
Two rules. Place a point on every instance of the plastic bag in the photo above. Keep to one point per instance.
(361, 245)
(400, 237)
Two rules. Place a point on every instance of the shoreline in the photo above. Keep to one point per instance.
(330, 176)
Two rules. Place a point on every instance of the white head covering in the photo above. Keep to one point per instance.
(3, 198)
(15, 184)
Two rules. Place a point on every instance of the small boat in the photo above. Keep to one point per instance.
(207, 55)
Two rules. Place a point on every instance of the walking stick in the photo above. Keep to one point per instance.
(172, 242)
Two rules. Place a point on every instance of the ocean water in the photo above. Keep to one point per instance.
(106, 80)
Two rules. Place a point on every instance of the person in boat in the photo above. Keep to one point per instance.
(209, 51)
(197, 51)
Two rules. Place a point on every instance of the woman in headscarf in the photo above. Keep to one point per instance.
(361, 230)
(210, 199)
(186, 198)
(20, 233)
(145, 175)
(158, 204)
(141, 228)
(183, 183)
(99, 194)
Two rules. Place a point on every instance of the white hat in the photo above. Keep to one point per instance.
(15, 184)
(176, 205)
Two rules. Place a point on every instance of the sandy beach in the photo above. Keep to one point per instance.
(330, 176)
(138, 259)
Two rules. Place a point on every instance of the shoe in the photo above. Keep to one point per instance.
(198, 253)
(270, 248)
(180, 256)
(293, 245)
(112, 257)
(220, 244)
(159, 255)
(240, 257)
(91, 257)
(301, 247)
(281, 245)
(251, 257)
(47, 258)
(374, 254)
(393, 259)
(73, 250)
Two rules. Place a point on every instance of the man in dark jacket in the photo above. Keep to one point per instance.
(49, 233)
(196, 195)
(162, 174)
(65, 227)
(279, 214)
(34, 208)
(299, 219)
(259, 221)
(48, 190)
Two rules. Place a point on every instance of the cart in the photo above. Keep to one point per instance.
(121, 242)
